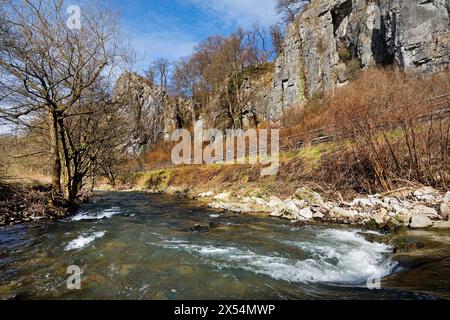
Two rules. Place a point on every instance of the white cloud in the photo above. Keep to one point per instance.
(242, 12)
(161, 44)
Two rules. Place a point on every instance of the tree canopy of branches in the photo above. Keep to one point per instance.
(56, 80)
(217, 68)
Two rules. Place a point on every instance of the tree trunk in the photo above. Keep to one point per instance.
(56, 173)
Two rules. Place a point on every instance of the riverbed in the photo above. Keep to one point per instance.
(135, 245)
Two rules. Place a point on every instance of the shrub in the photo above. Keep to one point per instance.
(344, 54)
(393, 133)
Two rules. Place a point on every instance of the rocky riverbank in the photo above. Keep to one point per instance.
(415, 208)
(420, 208)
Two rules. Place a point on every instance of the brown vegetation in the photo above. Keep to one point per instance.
(23, 203)
(387, 131)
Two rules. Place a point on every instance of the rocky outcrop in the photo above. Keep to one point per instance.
(333, 39)
(151, 112)
(258, 86)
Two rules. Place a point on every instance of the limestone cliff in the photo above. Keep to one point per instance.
(333, 39)
(152, 113)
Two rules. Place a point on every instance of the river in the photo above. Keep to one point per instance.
(134, 245)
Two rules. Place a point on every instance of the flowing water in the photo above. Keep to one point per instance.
(142, 246)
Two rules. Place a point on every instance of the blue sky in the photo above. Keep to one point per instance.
(172, 28)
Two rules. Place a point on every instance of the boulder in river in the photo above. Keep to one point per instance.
(293, 209)
(199, 228)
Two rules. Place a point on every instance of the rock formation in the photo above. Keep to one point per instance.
(332, 39)
(152, 114)
(324, 48)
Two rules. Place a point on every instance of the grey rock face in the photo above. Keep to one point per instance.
(144, 105)
(332, 39)
(152, 114)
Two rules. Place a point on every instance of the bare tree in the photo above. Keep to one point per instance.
(260, 42)
(150, 75)
(277, 39)
(290, 8)
(161, 69)
(49, 71)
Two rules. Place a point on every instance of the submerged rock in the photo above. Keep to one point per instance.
(199, 228)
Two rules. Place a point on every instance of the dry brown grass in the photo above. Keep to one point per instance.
(391, 133)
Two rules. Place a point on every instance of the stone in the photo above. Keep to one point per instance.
(231, 206)
(310, 196)
(256, 204)
(366, 202)
(403, 218)
(426, 194)
(292, 210)
(397, 209)
(381, 216)
(306, 213)
(318, 215)
(223, 196)
(208, 194)
(277, 213)
(418, 222)
(341, 212)
(275, 203)
(421, 209)
(445, 209)
(446, 197)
